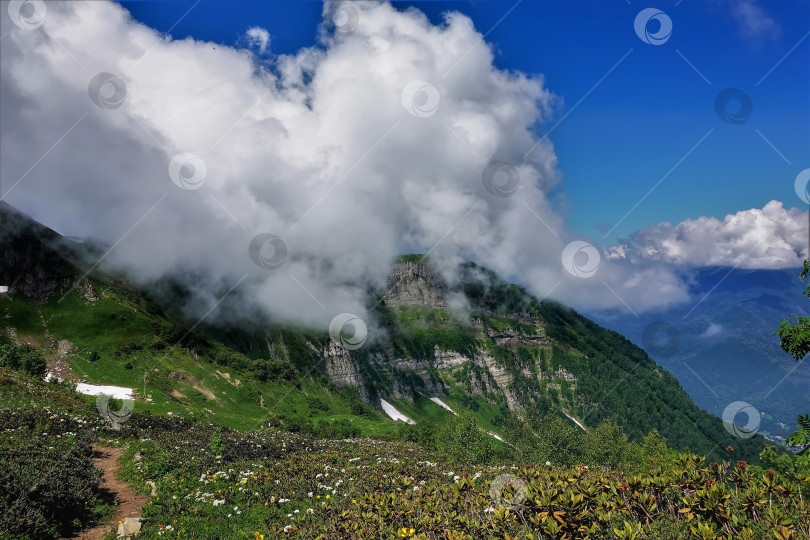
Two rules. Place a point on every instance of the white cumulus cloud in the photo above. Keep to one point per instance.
(771, 237)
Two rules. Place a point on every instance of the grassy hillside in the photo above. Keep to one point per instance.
(204, 480)
(244, 435)
(516, 359)
(116, 340)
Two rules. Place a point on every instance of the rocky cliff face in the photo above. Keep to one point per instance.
(343, 370)
(413, 284)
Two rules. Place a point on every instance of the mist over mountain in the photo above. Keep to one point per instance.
(480, 342)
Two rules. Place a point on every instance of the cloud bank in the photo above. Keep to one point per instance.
(771, 237)
(377, 140)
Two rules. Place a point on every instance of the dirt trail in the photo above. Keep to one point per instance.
(129, 504)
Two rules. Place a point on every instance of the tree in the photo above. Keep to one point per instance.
(794, 338)
(801, 439)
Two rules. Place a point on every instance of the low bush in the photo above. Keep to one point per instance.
(23, 358)
(49, 485)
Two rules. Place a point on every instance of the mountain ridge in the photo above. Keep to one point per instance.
(507, 355)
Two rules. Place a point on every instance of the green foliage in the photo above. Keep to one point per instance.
(226, 357)
(24, 358)
(411, 257)
(461, 440)
(795, 340)
(338, 429)
(250, 484)
(620, 379)
(298, 424)
(273, 370)
(281, 485)
(216, 445)
(316, 404)
(801, 438)
(50, 487)
(420, 342)
(425, 434)
(794, 337)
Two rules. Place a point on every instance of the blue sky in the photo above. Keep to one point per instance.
(640, 121)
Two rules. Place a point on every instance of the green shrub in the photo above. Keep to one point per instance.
(49, 485)
(23, 358)
(273, 370)
(296, 424)
(461, 440)
(317, 404)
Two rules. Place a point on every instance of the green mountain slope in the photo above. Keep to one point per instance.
(505, 357)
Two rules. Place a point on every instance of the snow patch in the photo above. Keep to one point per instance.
(3, 288)
(395, 415)
(574, 420)
(442, 404)
(117, 392)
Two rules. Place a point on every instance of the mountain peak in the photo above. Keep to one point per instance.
(412, 283)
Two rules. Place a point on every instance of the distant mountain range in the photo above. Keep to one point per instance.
(722, 347)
